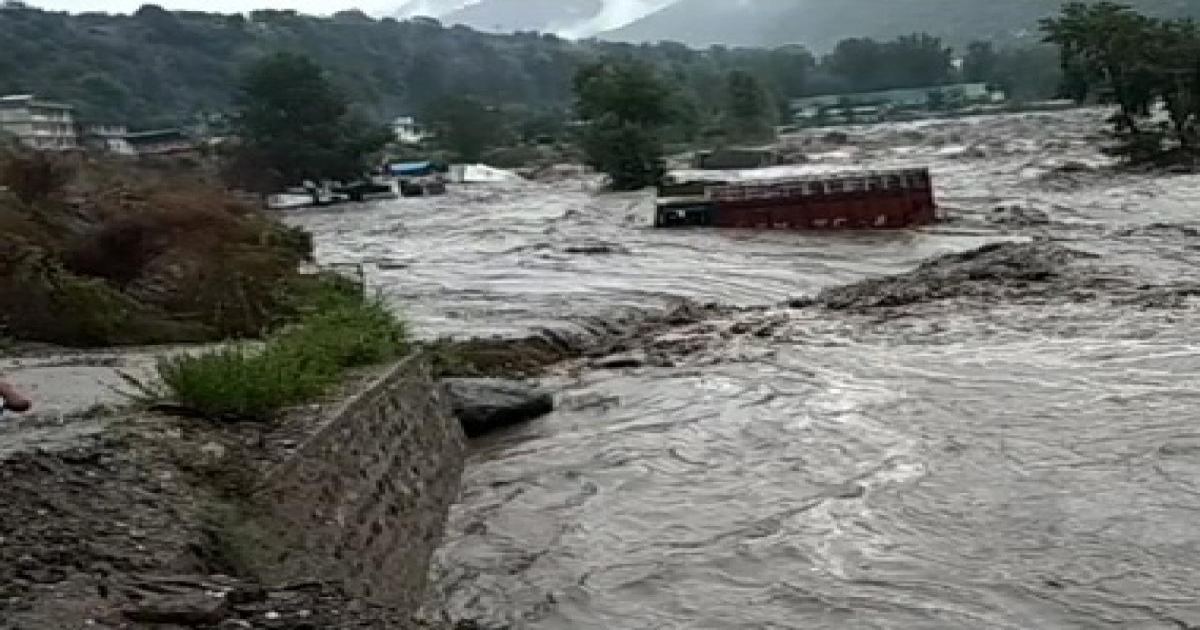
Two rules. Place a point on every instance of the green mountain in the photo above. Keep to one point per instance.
(158, 67)
(820, 24)
(162, 68)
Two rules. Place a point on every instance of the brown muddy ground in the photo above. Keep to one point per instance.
(123, 520)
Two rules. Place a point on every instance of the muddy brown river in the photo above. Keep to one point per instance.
(968, 462)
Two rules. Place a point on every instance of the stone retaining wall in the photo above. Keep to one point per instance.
(364, 500)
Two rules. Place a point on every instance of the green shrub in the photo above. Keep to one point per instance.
(244, 382)
(349, 335)
(294, 366)
(316, 293)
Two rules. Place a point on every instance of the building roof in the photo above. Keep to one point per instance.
(29, 100)
(410, 168)
(157, 135)
(917, 94)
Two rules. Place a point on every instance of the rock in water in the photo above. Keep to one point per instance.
(991, 272)
(483, 405)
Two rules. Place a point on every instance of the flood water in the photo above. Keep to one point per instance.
(1032, 463)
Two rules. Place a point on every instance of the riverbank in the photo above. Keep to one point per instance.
(132, 519)
(138, 517)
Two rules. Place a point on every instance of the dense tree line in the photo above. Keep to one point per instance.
(1139, 63)
(159, 67)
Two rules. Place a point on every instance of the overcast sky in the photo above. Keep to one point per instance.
(614, 14)
(319, 7)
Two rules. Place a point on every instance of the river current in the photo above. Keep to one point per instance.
(1032, 463)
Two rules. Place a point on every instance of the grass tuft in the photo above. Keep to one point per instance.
(296, 365)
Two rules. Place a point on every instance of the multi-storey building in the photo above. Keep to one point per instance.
(39, 124)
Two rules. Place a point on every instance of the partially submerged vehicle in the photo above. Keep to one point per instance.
(419, 179)
(365, 190)
(892, 199)
(313, 195)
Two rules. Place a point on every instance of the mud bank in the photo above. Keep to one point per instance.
(996, 272)
(578, 338)
(326, 519)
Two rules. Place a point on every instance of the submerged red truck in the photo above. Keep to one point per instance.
(891, 199)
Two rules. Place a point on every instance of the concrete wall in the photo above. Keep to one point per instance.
(364, 500)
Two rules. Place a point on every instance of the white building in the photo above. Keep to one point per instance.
(921, 98)
(407, 131)
(39, 124)
(109, 138)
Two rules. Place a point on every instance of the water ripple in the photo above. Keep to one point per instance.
(962, 464)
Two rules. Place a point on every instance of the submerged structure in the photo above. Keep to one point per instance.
(858, 200)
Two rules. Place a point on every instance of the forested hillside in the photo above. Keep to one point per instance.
(158, 67)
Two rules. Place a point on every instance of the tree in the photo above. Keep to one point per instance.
(860, 61)
(624, 107)
(293, 126)
(466, 127)
(1104, 48)
(629, 90)
(1117, 55)
(917, 60)
(980, 63)
(629, 154)
(750, 114)
(911, 61)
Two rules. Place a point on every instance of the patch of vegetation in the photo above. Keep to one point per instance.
(295, 365)
(244, 382)
(467, 128)
(389, 67)
(294, 125)
(624, 106)
(1112, 53)
(751, 115)
(100, 253)
(50, 303)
